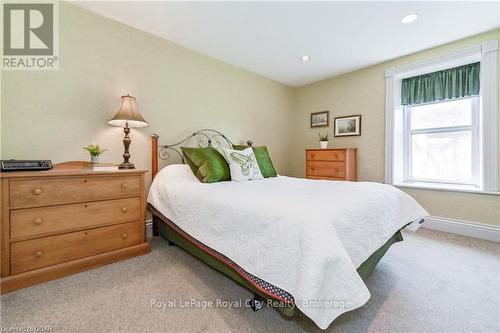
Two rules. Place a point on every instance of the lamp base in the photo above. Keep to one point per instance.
(126, 155)
(126, 165)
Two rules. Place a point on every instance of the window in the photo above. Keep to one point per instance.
(441, 141)
(442, 122)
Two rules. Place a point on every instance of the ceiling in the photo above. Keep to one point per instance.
(269, 38)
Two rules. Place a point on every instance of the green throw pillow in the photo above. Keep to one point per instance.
(208, 165)
(263, 160)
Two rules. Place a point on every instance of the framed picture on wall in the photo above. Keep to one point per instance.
(347, 126)
(320, 119)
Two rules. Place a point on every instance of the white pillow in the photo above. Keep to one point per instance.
(242, 164)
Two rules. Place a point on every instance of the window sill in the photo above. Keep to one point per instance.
(446, 187)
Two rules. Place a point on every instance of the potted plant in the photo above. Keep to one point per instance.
(323, 141)
(95, 151)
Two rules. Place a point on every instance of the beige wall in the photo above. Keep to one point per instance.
(363, 92)
(52, 114)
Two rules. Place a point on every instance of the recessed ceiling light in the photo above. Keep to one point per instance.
(409, 18)
(305, 58)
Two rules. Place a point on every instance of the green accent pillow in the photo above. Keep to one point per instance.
(208, 165)
(263, 160)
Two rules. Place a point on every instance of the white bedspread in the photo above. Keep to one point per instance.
(304, 236)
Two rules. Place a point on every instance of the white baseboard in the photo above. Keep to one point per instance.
(464, 228)
(149, 227)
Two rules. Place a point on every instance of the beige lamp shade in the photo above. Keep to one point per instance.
(128, 113)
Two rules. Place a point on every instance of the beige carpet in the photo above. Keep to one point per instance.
(431, 282)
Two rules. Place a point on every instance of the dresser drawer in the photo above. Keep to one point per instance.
(326, 169)
(46, 192)
(325, 155)
(325, 178)
(37, 253)
(37, 222)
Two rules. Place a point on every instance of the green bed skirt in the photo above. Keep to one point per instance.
(364, 270)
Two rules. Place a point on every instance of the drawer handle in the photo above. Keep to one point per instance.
(124, 185)
(124, 235)
(37, 191)
(38, 221)
(38, 254)
(124, 209)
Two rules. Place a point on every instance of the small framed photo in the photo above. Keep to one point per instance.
(347, 126)
(320, 119)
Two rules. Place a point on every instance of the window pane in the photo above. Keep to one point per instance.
(443, 114)
(442, 156)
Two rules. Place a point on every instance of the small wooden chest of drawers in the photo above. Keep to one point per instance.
(68, 219)
(333, 164)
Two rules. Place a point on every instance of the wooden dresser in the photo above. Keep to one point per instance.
(68, 219)
(333, 164)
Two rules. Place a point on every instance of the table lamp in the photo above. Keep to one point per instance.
(128, 116)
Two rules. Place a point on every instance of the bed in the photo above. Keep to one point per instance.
(302, 246)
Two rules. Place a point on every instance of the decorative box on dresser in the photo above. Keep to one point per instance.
(68, 219)
(332, 164)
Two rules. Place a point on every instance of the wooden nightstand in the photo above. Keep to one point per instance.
(333, 164)
(68, 219)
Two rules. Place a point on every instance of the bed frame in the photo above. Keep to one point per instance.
(263, 291)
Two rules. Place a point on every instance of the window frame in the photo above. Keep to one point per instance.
(474, 128)
(487, 146)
